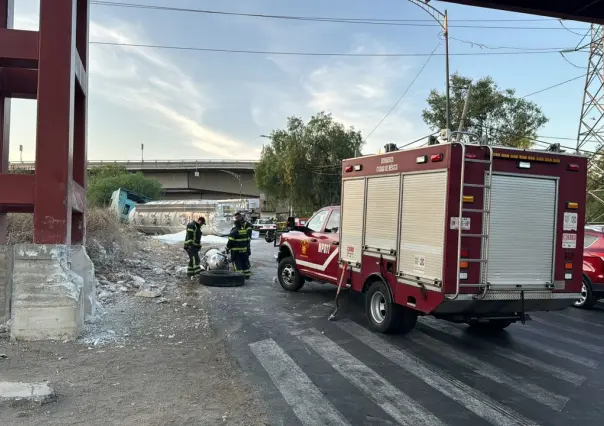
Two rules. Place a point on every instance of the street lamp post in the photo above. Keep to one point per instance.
(443, 21)
(238, 177)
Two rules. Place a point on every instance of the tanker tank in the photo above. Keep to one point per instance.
(171, 217)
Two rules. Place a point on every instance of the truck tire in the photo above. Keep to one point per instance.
(587, 300)
(288, 275)
(221, 278)
(491, 327)
(384, 315)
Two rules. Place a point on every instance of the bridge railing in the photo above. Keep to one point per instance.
(157, 164)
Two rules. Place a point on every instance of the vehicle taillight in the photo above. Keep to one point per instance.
(464, 254)
(573, 167)
(571, 205)
(348, 169)
(435, 158)
(568, 265)
(468, 198)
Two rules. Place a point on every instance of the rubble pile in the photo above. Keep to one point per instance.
(144, 274)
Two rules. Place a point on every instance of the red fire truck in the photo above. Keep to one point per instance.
(397, 235)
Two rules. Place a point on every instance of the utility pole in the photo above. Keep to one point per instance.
(142, 153)
(591, 124)
(443, 21)
(464, 112)
(21, 153)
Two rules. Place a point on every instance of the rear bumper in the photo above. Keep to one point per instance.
(499, 302)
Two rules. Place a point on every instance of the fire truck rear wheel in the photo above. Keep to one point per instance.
(587, 299)
(289, 277)
(384, 315)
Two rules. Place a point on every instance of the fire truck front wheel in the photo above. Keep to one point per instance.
(289, 277)
(384, 315)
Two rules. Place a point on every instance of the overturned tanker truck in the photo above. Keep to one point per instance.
(466, 232)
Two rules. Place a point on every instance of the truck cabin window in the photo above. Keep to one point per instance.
(316, 223)
(333, 224)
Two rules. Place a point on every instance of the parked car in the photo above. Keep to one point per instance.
(593, 268)
(264, 225)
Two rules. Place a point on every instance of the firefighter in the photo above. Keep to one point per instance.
(193, 245)
(239, 245)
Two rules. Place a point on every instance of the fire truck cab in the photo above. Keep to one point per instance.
(397, 235)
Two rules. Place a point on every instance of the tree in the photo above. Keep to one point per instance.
(500, 115)
(104, 180)
(302, 164)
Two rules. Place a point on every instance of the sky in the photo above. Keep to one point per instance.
(213, 105)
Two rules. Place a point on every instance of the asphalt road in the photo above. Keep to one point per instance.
(312, 371)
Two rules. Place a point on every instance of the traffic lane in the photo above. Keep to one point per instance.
(528, 372)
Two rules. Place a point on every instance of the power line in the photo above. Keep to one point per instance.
(404, 93)
(555, 85)
(364, 21)
(268, 52)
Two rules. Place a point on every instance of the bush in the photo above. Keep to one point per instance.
(103, 181)
(107, 240)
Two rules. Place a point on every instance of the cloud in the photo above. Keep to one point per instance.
(357, 91)
(150, 85)
(144, 80)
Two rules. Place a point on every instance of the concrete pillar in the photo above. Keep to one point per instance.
(47, 295)
(6, 277)
(83, 266)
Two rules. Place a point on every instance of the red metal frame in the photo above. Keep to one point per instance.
(49, 65)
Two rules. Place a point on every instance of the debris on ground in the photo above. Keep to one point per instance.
(149, 343)
(16, 392)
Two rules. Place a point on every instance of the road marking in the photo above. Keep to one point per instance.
(572, 330)
(555, 336)
(489, 371)
(569, 356)
(510, 354)
(306, 400)
(474, 400)
(397, 404)
(574, 319)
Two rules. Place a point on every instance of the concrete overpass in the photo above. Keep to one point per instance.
(188, 179)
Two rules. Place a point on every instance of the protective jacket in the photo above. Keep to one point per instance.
(193, 236)
(240, 238)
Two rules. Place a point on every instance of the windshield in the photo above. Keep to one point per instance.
(264, 222)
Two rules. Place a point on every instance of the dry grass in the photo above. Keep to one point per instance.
(108, 241)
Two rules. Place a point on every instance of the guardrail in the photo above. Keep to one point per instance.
(158, 164)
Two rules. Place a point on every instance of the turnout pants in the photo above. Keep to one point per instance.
(241, 263)
(194, 266)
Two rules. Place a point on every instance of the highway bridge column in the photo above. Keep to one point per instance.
(5, 254)
(52, 278)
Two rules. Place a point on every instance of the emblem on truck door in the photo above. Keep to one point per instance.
(303, 247)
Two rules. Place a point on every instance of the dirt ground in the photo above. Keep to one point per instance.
(142, 361)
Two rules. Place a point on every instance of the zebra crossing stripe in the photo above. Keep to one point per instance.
(473, 400)
(489, 371)
(560, 373)
(306, 400)
(575, 319)
(397, 404)
(555, 336)
(569, 356)
(569, 329)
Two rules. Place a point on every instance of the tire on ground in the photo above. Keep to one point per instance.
(221, 278)
(394, 318)
(288, 275)
(590, 300)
